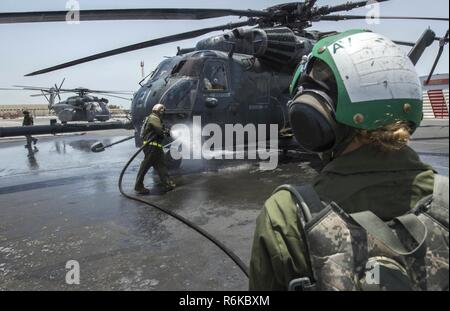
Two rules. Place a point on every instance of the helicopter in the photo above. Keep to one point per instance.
(239, 77)
(82, 107)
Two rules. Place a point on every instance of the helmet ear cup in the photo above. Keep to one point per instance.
(312, 120)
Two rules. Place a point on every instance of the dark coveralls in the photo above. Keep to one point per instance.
(28, 121)
(153, 133)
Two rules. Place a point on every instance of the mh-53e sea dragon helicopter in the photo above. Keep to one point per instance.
(239, 77)
(82, 107)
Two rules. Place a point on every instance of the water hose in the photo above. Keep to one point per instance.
(188, 223)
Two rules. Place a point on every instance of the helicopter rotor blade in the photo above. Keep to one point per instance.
(126, 14)
(444, 39)
(438, 57)
(442, 43)
(143, 45)
(115, 96)
(355, 17)
(58, 89)
(32, 88)
(22, 88)
(60, 86)
(111, 92)
(405, 43)
(43, 94)
(86, 91)
(325, 10)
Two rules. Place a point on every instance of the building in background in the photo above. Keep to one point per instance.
(15, 111)
(37, 110)
(435, 97)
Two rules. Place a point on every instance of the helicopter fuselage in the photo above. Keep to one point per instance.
(239, 77)
(82, 108)
(220, 87)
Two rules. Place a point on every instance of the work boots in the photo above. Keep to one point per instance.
(170, 186)
(141, 190)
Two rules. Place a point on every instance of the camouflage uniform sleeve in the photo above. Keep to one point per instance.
(277, 254)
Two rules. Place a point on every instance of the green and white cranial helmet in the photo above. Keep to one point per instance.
(377, 84)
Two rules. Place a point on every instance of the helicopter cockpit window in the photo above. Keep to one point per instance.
(181, 95)
(215, 77)
(163, 68)
(178, 67)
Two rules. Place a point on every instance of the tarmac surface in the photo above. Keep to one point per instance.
(63, 204)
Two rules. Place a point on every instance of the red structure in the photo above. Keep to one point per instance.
(436, 96)
(438, 104)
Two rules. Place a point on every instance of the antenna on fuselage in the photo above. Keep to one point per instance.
(142, 69)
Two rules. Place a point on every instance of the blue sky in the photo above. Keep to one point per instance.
(29, 47)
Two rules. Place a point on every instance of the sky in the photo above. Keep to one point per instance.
(28, 47)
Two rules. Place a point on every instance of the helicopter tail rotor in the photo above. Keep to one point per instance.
(56, 92)
(442, 43)
(60, 87)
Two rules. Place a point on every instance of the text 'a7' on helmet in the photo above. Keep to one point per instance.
(373, 84)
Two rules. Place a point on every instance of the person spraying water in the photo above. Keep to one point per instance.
(153, 133)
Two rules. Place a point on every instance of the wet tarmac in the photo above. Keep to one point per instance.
(63, 204)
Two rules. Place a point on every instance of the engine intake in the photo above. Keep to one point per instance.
(275, 45)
